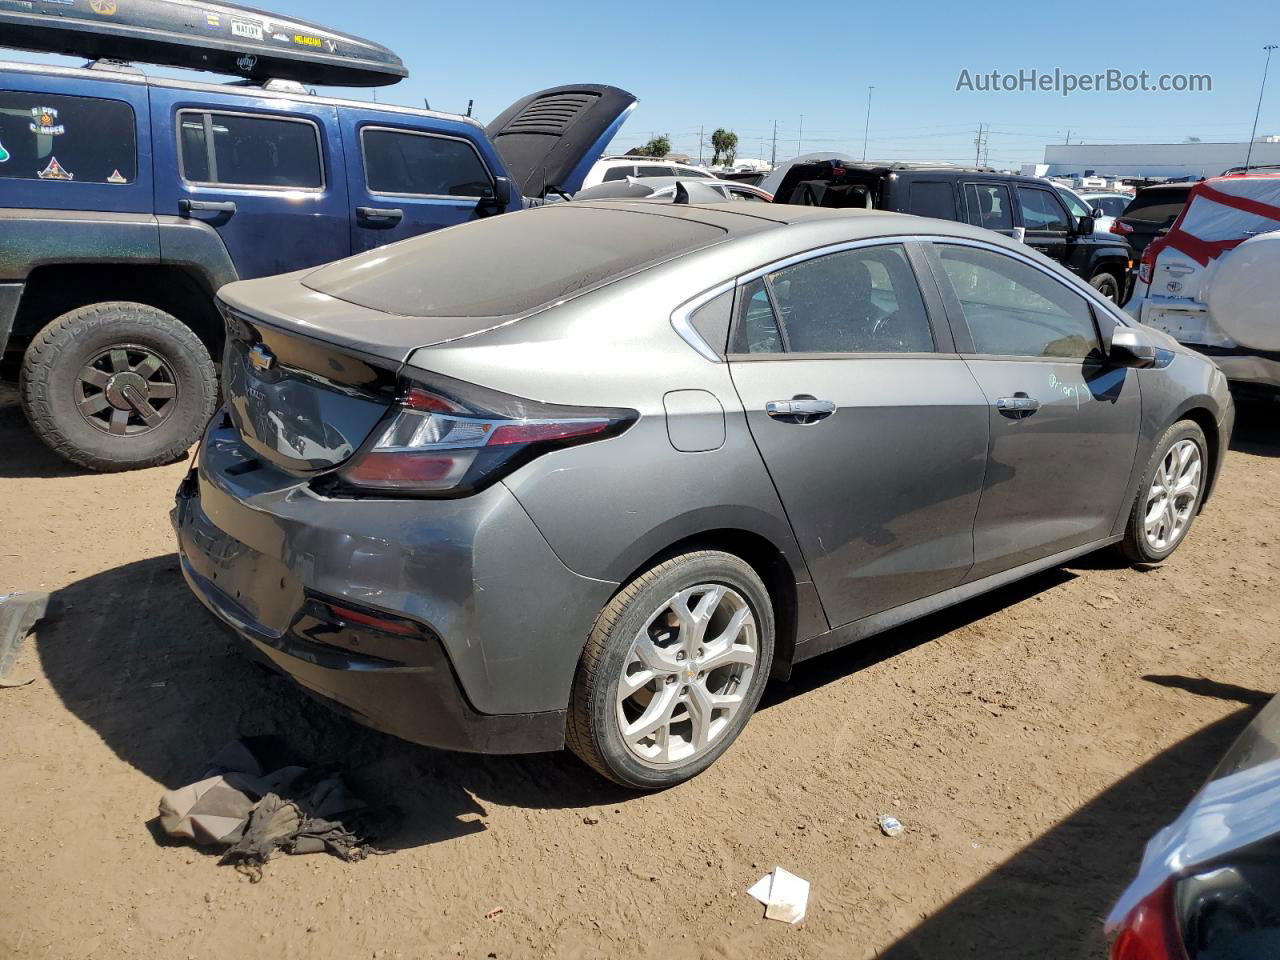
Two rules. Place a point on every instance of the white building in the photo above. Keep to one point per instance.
(1156, 159)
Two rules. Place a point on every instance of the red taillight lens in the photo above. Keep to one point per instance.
(401, 628)
(457, 439)
(1120, 227)
(1147, 265)
(1150, 931)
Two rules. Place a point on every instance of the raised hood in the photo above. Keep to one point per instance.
(549, 140)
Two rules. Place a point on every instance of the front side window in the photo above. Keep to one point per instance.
(67, 139)
(736, 194)
(404, 163)
(989, 206)
(864, 300)
(249, 151)
(1041, 210)
(1014, 310)
(1074, 204)
(932, 198)
(1110, 206)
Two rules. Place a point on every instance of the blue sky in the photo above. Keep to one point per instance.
(760, 62)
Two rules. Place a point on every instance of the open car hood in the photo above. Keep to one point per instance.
(549, 140)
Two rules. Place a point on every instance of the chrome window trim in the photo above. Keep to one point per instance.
(682, 321)
(816, 252)
(207, 113)
(364, 164)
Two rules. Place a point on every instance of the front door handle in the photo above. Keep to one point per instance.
(188, 207)
(383, 215)
(800, 410)
(1017, 407)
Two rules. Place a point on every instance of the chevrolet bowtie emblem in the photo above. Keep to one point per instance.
(261, 358)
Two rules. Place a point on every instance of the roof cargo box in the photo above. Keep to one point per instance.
(219, 37)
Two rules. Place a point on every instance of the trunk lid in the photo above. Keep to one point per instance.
(550, 139)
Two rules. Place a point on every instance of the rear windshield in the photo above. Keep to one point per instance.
(509, 264)
(1158, 206)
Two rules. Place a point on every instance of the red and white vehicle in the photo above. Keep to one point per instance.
(1213, 281)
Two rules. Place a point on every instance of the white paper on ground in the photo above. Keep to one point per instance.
(784, 895)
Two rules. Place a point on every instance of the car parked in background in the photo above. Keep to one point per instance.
(638, 188)
(1209, 885)
(1112, 205)
(592, 473)
(127, 200)
(1025, 207)
(1150, 214)
(609, 169)
(1103, 208)
(1213, 280)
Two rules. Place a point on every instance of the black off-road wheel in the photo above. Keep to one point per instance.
(118, 386)
(673, 670)
(1107, 285)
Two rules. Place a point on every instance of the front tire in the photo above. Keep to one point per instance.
(1107, 285)
(1169, 495)
(118, 386)
(673, 670)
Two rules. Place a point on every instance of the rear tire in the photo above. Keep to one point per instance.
(78, 403)
(1107, 285)
(1169, 495)
(706, 681)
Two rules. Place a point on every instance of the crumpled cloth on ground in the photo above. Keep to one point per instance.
(257, 814)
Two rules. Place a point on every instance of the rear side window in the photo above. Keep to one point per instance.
(1042, 210)
(405, 163)
(1014, 310)
(690, 172)
(989, 205)
(932, 198)
(1158, 207)
(618, 173)
(249, 151)
(52, 137)
(857, 301)
(1110, 206)
(655, 172)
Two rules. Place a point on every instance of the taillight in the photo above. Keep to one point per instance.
(1147, 264)
(1150, 931)
(1120, 227)
(450, 438)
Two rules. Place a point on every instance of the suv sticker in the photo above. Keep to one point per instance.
(4, 154)
(104, 8)
(55, 171)
(116, 178)
(307, 41)
(246, 29)
(213, 19)
(44, 121)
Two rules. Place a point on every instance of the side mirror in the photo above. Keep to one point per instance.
(1084, 226)
(502, 191)
(1097, 213)
(1020, 234)
(1128, 348)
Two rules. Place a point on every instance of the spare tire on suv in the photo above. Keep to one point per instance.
(116, 386)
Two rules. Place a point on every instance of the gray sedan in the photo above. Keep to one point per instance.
(590, 474)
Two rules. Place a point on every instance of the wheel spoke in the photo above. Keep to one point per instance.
(94, 404)
(148, 367)
(693, 623)
(149, 414)
(119, 361)
(161, 390)
(655, 658)
(701, 712)
(633, 682)
(728, 655)
(95, 377)
(655, 715)
(119, 421)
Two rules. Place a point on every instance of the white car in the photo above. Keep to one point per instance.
(1084, 205)
(608, 169)
(635, 188)
(1213, 281)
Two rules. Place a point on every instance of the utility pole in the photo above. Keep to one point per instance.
(977, 143)
(700, 129)
(800, 136)
(867, 129)
(773, 157)
(1068, 138)
(1253, 136)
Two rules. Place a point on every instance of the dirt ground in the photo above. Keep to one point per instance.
(1030, 742)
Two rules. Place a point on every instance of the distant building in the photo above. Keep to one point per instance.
(1171, 160)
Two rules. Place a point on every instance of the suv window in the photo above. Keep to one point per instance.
(655, 172)
(1042, 210)
(52, 137)
(406, 163)
(691, 172)
(932, 198)
(864, 300)
(618, 173)
(1111, 206)
(1076, 205)
(1014, 310)
(1160, 206)
(988, 205)
(250, 151)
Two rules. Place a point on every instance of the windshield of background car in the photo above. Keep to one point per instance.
(508, 265)
(1160, 207)
(51, 137)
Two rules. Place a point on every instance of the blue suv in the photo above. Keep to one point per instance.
(127, 200)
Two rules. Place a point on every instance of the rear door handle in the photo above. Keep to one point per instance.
(800, 410)
(188, 207)
(386, 215)
(1018, 406)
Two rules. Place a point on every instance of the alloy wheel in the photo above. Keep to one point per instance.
(126, 390)
(687, 674)
(1174, 493)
